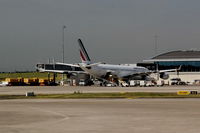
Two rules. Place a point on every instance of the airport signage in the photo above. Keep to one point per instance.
(183, 93)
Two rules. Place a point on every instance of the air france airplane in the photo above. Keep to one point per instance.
(117, 72)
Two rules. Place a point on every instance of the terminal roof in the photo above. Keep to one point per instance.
(177, 56)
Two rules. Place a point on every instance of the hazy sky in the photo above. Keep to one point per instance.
(113, 31)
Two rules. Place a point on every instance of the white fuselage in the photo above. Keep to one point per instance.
(118, 71)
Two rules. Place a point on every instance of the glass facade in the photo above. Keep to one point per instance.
(150, 66)
(186, 66)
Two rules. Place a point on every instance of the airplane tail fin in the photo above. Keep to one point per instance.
(83, 53)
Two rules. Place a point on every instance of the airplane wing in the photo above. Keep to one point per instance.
(146, 74)
(170, 70)
(66, 64)
(53, 71)
(94, 64)
(59, 71)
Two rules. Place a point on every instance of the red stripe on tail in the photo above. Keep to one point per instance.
(82, 56)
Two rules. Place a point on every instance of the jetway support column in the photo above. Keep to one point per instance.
(54, 78)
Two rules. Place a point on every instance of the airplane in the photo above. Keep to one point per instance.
(117, 73)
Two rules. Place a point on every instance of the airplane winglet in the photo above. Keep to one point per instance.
(179, 68)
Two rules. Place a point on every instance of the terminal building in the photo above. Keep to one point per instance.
(188, 60)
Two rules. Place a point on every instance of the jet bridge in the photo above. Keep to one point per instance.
(58, 68)
(73, 72)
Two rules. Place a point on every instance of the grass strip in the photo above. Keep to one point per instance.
(130, 95)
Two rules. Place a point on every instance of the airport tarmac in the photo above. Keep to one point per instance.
(100, 116)
(21, 90)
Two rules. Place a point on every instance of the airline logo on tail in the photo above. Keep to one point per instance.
(83, 53)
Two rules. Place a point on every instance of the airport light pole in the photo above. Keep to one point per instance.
(63, 43)
(63, 48)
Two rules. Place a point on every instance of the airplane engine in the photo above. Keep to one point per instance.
(137, 77)
(164, 76)
(148, 78)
